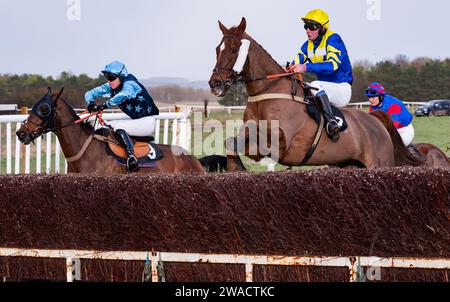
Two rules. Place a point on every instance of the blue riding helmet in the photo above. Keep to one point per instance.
(117, 68)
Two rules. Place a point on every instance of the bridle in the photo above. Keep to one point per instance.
(235, 76)
(49, 118)
(242, 78)
(46, 112)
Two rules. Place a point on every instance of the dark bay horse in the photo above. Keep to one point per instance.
(366, 142)
(52, 113)
(219, 163)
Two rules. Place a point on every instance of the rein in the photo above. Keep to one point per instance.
(79, 121)
(86, 144)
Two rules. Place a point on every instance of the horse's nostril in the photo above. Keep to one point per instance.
(21, 134)
(214, 83)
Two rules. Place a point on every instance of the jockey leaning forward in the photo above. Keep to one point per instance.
(400, 115)
(125, 91)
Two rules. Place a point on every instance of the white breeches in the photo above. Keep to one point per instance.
(145, 126)
(407, 134)
(338, 94)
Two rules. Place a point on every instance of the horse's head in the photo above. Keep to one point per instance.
(232, 55)
(41, 119)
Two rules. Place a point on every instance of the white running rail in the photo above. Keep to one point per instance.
(73, 257)
(46, 153)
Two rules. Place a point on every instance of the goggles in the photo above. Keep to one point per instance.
(372, 92)
(312, 26)
(110, 76)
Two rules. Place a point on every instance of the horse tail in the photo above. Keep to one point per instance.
(214, 163)
(401, 153)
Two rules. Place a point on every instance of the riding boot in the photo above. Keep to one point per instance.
(127, 144)
(332, 126)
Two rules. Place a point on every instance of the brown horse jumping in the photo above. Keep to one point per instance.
(366, 142)
(52, 113)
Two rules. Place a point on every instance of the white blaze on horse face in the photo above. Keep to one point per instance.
(221, 49)
(242, 56)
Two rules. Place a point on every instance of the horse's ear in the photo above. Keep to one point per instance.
(242, 26)
(59, 94)
(223, 28)
(49, 91)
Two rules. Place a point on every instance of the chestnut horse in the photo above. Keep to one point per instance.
(434, 157)
(52, 113)
(366, 142)
(431, 155)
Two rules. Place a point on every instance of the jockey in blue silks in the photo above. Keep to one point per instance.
(400, 115)
(125, 91)
(325, 55)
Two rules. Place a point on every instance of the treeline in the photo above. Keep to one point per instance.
(173, 93)
(27, 89)
(420, 79)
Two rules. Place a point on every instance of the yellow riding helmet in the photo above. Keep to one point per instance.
(319, 16)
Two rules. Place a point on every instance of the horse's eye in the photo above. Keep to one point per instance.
(235, 50)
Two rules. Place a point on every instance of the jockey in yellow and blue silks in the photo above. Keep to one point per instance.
(125, 91)
(325, 55)
(400, 115)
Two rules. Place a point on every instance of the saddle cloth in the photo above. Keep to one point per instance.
(147, 152)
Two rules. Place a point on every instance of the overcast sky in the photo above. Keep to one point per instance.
(177, 38)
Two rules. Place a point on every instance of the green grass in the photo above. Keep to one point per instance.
(33, 164)
(433, 130)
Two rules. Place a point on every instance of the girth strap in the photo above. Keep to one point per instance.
(86, 145)
(83, 149)
(263, 97)
(313, 147)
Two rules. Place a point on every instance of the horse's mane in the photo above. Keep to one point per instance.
(85, 126)
(247, 36)
(401, 153)
(264, 50)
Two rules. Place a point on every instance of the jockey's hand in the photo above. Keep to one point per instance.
(299, 68)
(91, 107)
(101, 107)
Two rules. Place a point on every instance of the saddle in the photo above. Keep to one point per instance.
(314, 110)
(145, 150)
(316, 114)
